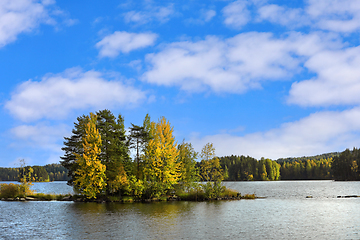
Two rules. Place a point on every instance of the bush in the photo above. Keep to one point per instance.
(249, 196)
(213, 190)
(229, 193)
(24, 189)
(9, 190)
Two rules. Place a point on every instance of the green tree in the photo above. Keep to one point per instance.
(210, 165)
(73, 146)
(114, 151)
(90, 172)
(187, 159)
(138, 139)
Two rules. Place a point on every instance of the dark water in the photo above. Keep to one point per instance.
(286, 213)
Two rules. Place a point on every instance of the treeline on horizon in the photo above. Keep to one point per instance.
(240, 168)
(47, 173)
(344, 166)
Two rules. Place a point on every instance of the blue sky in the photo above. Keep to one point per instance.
(260, 78)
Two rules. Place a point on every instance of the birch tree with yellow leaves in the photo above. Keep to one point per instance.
(161, 169)
(90, 173)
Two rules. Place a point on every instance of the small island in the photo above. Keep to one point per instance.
(97, 157)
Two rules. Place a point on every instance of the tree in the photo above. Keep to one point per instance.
(91, 176)
(187, 159)
(25, 178)
(210, 164)
(161, 155)
(114, 151)
(138, 139)
(73, 146)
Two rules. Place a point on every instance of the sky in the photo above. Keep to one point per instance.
(262, 78)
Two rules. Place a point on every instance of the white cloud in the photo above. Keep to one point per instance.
(337, 81)
(151, 13)
(18, 16)
(208, 15)
(319, 132)
(341, 16)
(335, 15)
(55, 96)
(282, 15)
(113, 44)
(236, 14)
(235, 64)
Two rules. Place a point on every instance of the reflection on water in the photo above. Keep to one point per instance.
(285, 214)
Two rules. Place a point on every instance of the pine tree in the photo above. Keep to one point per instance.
(114, 151)
(73, 145)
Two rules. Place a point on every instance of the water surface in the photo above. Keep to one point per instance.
(286, 213)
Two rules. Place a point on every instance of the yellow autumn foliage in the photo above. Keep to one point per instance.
(161, 156)
(91, 172)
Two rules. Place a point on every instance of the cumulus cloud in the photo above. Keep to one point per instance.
(341, 16)
(335, 15)
(18, 16)
(337, 81)
(282, 15)
(55, 96)
(113, 44)
(235, 64)
(320, 132)
(151, 13)
(236, 14)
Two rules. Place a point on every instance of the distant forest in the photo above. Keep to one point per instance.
(344, 166)
(49, 172)
(328, 166)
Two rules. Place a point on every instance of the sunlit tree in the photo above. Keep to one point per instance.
(91, 176)
(161, 154)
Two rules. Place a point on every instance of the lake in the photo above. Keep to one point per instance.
(285, 213)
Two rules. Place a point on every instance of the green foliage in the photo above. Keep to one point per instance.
(9, 190)
(49, 172)
(346, 165)
(56, 172)
(72, 146)
(12, 190)
(9, 174)
(210, 168)
(189, 173)
(302, 159)
(213, 190)
(136, 187)
(114, 151)
(241, 168)
(307, 170)
(138, 140)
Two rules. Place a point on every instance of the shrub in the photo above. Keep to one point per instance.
(249, 196)
(230, 193)
(24, 189)
(9, 190)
